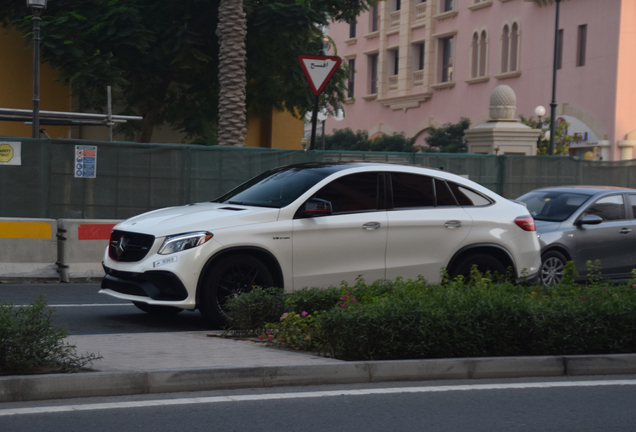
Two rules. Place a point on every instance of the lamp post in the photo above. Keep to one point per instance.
(37, 6)
(540, 112)
(553, 104)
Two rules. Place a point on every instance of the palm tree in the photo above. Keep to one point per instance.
(231, 31)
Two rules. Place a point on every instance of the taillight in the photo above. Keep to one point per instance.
(526, 223)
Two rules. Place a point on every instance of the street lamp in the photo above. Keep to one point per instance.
(553, 104)
(37, 6)
(540, 112)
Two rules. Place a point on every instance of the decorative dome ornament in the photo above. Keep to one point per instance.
(503, 101)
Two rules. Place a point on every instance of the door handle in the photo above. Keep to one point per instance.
(453, 224)
(371, 226)
(625, 231)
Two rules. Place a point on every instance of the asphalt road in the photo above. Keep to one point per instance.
(562, 404)
(81, 310)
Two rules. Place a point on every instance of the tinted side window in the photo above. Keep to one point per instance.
(352, 193)
(632, 204)
(609, 208)
(443, 194)
(467, 197)
(412, 190)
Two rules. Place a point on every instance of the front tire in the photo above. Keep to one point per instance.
(485, 263)
(158, 309)
(230, 277)
(552, 267)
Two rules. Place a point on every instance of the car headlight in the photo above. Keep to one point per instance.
(181, 242)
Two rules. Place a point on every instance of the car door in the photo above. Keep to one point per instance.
(350, 242)
(611, 242)
(426, 226)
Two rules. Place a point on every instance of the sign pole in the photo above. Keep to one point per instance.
(318, 71)
(314, 122)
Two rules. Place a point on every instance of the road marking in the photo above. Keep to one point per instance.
(300, 395)
(82, 305)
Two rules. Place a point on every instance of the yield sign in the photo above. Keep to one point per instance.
(319, 70)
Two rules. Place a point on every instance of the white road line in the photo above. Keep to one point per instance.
(82, 305)
(278, 396)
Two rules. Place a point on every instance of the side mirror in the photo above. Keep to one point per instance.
(590, 219)
(314, 207)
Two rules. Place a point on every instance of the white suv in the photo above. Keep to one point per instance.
(316, 225)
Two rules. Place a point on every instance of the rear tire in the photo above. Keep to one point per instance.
(485, 263)
(158, 309)
(230, 277)
(552, 267)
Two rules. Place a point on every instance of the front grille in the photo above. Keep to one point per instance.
(129, 247)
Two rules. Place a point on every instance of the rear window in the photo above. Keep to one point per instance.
(467, 197)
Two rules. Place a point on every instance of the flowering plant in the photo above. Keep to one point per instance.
(295, 330)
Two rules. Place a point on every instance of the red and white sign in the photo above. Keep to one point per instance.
(319, 70)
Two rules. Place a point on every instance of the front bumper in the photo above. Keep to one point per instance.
(153, 284)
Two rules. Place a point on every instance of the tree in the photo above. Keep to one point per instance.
(232, 31)
(448, 138)
(562, 140)
(161, 56)
(346, 139)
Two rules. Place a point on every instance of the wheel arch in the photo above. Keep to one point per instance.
(494, 250)
(558, 248)
(263, 255)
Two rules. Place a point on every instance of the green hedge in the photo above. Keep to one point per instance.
(476, 318)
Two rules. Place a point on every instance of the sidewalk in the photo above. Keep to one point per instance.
(148, 351)
(181, 362)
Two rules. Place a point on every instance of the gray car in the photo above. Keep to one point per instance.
(584, 224)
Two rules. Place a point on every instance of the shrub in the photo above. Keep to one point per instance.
(29, 343)
(251, 311)
(477, 317)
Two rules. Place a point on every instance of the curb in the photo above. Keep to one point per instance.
(89, 384)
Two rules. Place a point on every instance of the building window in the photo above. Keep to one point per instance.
(398, 5)
(581, 45)
(446, 53)
(510, 48)
(352, 29)
(418, 56)
(479, 50)
(394, 67)
(352, 76)
(373, 74)
(447, 5)
(560, 50)
(374, 18)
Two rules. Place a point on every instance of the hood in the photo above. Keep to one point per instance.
(197, 217)
(546, 226)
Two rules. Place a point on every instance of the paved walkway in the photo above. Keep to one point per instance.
(150, 351)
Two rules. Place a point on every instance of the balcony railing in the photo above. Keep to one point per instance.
(418, 78)
(393, 82)
(420, 10)
(395, 18)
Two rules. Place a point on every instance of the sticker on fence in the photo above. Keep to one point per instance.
(10, 153)
(85, 161)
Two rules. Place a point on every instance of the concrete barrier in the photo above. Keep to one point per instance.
(28, 249)
(81, 245)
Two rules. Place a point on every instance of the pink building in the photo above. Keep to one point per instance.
(422, 63)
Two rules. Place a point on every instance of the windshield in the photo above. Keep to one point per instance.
(276, 188)
(552, 206)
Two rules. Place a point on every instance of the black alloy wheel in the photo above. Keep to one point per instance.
(230, 277)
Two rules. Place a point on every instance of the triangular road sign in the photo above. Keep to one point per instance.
(319, 70)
